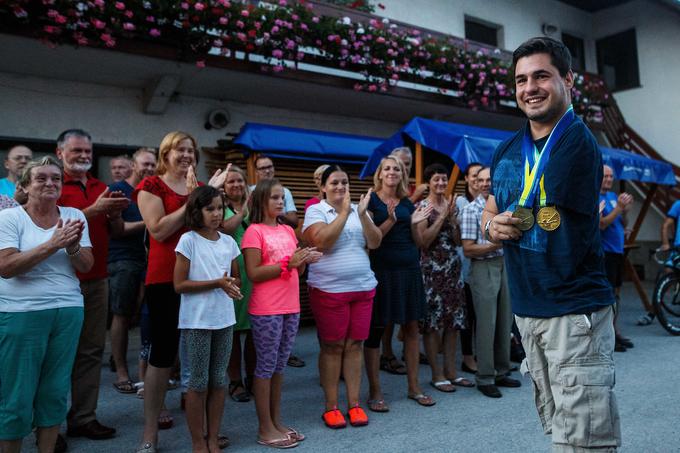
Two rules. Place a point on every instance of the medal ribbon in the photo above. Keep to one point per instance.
(535, 162)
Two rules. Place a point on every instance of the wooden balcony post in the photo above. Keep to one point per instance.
(250, 168)
(453, 179)
(643, 212)
(419, 164)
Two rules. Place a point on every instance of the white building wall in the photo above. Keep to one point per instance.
(39, 108)
(651, 110)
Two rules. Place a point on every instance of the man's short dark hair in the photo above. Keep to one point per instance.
(560, 57)
(72, 133)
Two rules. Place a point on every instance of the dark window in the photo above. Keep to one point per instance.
(577, 49)
(617, 61)
(479, 31)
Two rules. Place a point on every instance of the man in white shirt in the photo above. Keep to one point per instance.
(265, 170)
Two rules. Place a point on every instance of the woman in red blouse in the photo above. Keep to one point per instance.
(162, 203)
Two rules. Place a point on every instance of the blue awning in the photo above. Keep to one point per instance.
(306, 144)
(466, 144)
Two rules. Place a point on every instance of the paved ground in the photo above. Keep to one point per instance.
(465, 421)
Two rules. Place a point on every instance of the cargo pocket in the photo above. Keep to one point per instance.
(588, 407)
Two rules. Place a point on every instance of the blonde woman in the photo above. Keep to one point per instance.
(400, 296)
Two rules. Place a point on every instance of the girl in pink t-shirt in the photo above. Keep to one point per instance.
(273, 262)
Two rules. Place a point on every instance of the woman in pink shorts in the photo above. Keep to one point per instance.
(342, 287)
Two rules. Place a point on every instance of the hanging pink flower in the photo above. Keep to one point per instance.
(276, 53)
(315, 19)
(240, 24)
(245, 13)
(129, 26)
(119, 5)
(155, 32)
(150, 19)
(373, 88)
(200, 63)
(199, 6)
(277, 68)
(223, 20)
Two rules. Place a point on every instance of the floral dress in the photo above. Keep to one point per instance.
(444, 288)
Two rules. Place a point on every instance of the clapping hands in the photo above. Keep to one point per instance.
(303, 256)
(228, 286)
(67, 234)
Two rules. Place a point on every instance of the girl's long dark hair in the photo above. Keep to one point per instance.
(198, 199)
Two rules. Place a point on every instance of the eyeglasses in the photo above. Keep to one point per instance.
(267, 168)
(21, 158)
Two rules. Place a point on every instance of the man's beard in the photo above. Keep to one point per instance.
(82, 167)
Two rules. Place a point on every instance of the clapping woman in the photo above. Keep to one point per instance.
(400, 296)
(162, 202)
(342, 287)
(42, 245)
(444, 288)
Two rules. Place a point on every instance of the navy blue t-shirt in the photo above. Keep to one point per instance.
(131, 247)
(562, 271)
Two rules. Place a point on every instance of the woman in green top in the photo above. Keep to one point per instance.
(235, 224)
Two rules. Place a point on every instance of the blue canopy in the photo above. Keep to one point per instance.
(466, 144)
(306, 144)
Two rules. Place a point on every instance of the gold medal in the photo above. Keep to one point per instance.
(548, 218)
(526, 217)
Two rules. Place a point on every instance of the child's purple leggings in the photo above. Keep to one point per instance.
(273, 336)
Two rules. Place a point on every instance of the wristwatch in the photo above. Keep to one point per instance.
(487, 236)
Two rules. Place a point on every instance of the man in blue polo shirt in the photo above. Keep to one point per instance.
(613, 223)
(546, 181)
(126, 266)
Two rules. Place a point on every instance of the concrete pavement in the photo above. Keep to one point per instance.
(464, 421)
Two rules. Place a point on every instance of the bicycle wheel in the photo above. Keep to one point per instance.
(666, 302)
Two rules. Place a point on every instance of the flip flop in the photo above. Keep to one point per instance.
(423, 399)
(278, 443)
(125, 386)
(443, 386)
(222, 441)
(165, 420)
(377, 405)
(462, 382)
(295, 435)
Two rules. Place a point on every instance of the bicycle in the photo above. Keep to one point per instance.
(666, 296)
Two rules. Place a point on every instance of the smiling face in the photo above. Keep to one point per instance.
(484, 182)
(542, 93)
(45, 184)
(182, 156)
(144, 165)
(336, 187)
(438, 183)
(213, 214)
(390, 172)
(275, 202)
(235, 186)
(76, 155)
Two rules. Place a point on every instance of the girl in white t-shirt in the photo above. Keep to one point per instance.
(207, 277)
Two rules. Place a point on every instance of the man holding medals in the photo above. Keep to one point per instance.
(543, 207)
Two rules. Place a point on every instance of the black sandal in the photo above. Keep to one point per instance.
(392, 365)
(239, 397)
